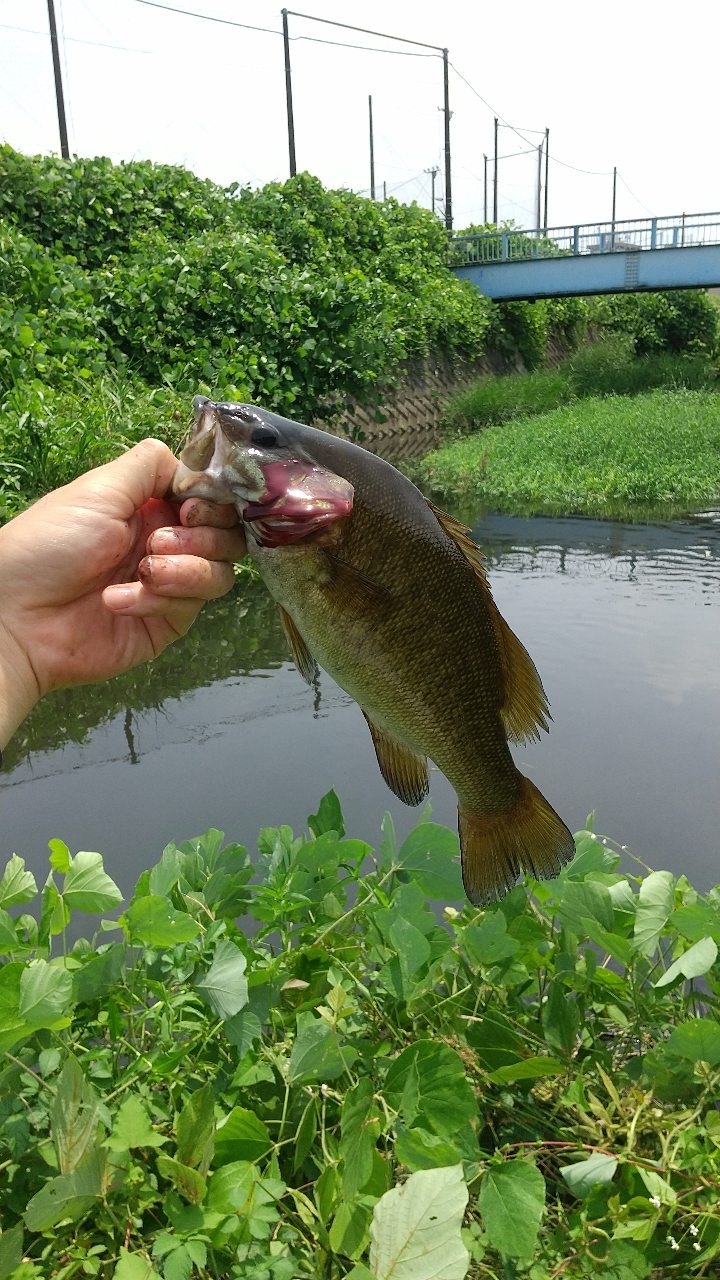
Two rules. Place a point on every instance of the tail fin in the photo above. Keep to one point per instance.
(496, 847)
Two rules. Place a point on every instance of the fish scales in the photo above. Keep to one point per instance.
(389, 600)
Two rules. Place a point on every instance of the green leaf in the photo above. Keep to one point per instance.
(231, 1187)
(692, 964)
(528, 1069)
(8, 935)
(45, 993)
(590, 855)
(99, 973)
(360, 1272)
(166, 873)
(243, 1030)
(54, 914)
(224, 987)
(588, 900)
(598, 1170)
(134, 1266)
(132, 1127)
(655, 903)
(305, 1135)
(59, 856)
(316, 1054)
(429, 856)
(616, 946)
(697, 1040)
(11, 1249)
(73, 1116)
(11, 1023)
(359, 1126)
(350, 1231)
(415, 1231)
(188, 1182)
(157, 923)
(427, 1083)
(328, 817)
(657, 1186)
(697, 920)
(178, 1264)
(411, 945)
(69, 1196)
(419, 1149)
(195, 1130)
(87, 886)
(488, 943)
(511, 1201)
(240, 1136)
(560, 1017)
(17, 884)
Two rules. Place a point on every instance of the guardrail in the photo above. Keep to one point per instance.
(635, 234)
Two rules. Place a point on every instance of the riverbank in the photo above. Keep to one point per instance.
(614, 457)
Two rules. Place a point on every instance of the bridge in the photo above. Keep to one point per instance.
(640, 254)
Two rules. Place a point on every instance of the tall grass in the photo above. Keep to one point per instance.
(605, 457)
(50, 436)
(597, 369)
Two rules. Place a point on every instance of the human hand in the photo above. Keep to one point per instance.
(103, 574)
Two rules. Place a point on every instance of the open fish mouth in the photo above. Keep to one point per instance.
(299, 500)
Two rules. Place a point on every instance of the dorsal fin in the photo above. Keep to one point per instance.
(404, 770)
(524, 708)
(302, 656)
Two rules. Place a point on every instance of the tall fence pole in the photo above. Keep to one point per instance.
(372, 150)
(288, 95)
(538, 189)
(495, 177)
(448, 175)
(547, 162)
(612, 238)
(484, 188)
(62, 125)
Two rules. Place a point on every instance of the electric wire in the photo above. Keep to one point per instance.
(96, 44)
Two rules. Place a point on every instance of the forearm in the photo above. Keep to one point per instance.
(18, 687)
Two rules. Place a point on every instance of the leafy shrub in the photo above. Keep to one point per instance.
(181, 1097)
(682, 320)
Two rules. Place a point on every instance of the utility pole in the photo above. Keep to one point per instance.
(448, 177)
(484, 188)
(495, 191)
(384, 190)
(538, 190)
(547, 162)
(372, 150)
(434, 171)
(64, 148)
(288, 95)
(614, 200)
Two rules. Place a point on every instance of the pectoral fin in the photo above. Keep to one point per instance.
(352, 590)
(404, 770)
(524, 709)
(301, 655)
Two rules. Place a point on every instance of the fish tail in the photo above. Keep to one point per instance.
(496, 847)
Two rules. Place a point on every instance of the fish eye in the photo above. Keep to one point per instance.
(264, 436)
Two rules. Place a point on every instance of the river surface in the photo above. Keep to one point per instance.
(623, 622)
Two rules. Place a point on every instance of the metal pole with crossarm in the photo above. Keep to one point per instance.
(288, 95)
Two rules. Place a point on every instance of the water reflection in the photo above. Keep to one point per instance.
(621, 620)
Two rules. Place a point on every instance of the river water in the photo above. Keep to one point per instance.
(622, 621)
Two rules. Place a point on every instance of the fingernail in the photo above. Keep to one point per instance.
(119, 597)
(163, 538)
(146, 569)
(190, 515)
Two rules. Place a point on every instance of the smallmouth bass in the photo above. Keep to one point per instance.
(389, 596)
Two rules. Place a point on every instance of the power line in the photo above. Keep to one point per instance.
(97, 44)
(632, 193)
(208, 17)
(382, 35)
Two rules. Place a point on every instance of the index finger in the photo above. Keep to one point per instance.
(197, 511)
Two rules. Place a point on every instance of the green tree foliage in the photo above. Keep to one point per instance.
(349, 1087)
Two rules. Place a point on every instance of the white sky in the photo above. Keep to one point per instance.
(632, 85)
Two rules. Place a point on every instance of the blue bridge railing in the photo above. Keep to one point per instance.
(507, 245)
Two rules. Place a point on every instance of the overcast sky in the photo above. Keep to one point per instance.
(631, 85)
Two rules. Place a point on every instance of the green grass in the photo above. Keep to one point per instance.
(616, 457)
(596, 369)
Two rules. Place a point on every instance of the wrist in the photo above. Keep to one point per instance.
(18, 686)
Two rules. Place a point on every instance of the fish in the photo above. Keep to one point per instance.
(389, 595)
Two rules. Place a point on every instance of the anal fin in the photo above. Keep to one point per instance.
(404, 770)
(301, 655)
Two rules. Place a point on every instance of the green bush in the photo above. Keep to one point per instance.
(180, 1097)
(682, 320)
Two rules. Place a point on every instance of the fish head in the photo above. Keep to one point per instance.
(238, 454)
